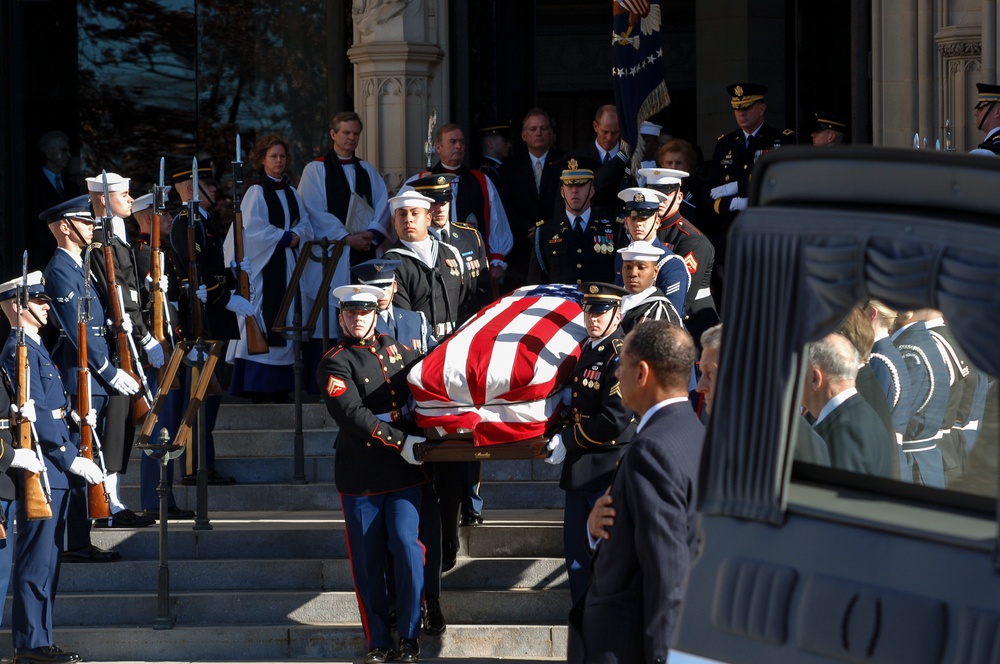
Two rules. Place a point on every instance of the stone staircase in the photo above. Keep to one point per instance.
(271, 580)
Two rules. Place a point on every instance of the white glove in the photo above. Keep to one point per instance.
(27, 460)
(27, 410)
(154, 353)
(245, 265)
(202, 293)
(192, 355)
(126, 324)
(557, 451)
(91, 418)
(124, 384)
(240, 306)
(728, 189)
(407, 451)
(162, 286)
(737, 204)
(87, 469)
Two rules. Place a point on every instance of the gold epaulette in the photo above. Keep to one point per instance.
(788, 132)
(539, 223)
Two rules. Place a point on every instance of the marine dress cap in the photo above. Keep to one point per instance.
(358, 298)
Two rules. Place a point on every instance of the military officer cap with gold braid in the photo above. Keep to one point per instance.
(746, 95)
(575, 173)
(599, 297)
(988, 94)
(436, 186)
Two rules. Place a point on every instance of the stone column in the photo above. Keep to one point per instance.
(959, 52)
(400, 77)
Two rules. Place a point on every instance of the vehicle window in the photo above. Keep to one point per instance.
(892, 394)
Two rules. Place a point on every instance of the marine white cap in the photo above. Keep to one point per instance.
(408, 199)
(662, 176)
(638, 198)
(115, 183)
(358, 297)
(641, 250)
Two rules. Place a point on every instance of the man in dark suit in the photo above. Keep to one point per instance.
(530, 190)
(47, 186)
(609, 175)
(987, 115)
(856, 436)
(646, 525)
(495, 143)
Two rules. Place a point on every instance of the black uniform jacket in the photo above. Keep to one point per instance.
(365, 390)
(600, 425)
(562, 256)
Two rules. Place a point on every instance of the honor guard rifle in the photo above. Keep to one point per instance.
(123, 340)
(37, 495)
(161, 320)
(98, 501)
(256, 339)
(194, 281)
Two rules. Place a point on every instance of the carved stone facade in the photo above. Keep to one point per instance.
(927, 56)
(400, 77)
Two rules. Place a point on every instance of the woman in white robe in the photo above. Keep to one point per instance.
(275, 225)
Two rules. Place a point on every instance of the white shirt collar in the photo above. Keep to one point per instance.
(832, 404)
(652, 411)
(424, 249)
(633, 299)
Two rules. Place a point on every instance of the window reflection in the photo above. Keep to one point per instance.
(893, 394)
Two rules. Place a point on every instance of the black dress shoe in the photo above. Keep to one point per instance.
(125, 519)
(89, 554)
(50, 654)
(433, 619)
(379, 655)
(173, 513)
(409, 650)
(472, 519)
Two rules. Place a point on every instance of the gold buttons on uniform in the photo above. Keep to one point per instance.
(366, 380)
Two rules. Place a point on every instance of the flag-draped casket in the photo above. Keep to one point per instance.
(500, 377)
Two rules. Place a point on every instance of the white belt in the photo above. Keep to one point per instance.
(442, 329)
(971, 426)
(703, 293)
(59, 414)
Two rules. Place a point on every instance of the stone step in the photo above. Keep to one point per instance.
(235, 417)
(276, 464)
(331, 643)
(300, 574)
(272, 443)
(309, 607)
(265, 535)
(323, 495)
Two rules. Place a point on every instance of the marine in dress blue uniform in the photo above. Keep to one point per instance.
(363, 379)
(578, 243)
(683, 238)
(598, 428)
(36, 551)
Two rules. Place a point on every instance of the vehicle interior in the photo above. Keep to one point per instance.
(812, 563)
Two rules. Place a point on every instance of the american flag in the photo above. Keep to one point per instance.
(500, 376)
(637, 50)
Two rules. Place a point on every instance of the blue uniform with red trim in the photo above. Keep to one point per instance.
(365, 390)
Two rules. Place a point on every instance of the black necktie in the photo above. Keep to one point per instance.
(607, 158)
(578, 226)
(59, 185)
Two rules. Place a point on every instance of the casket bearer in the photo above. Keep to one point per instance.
(363, 379)
(599, 426)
